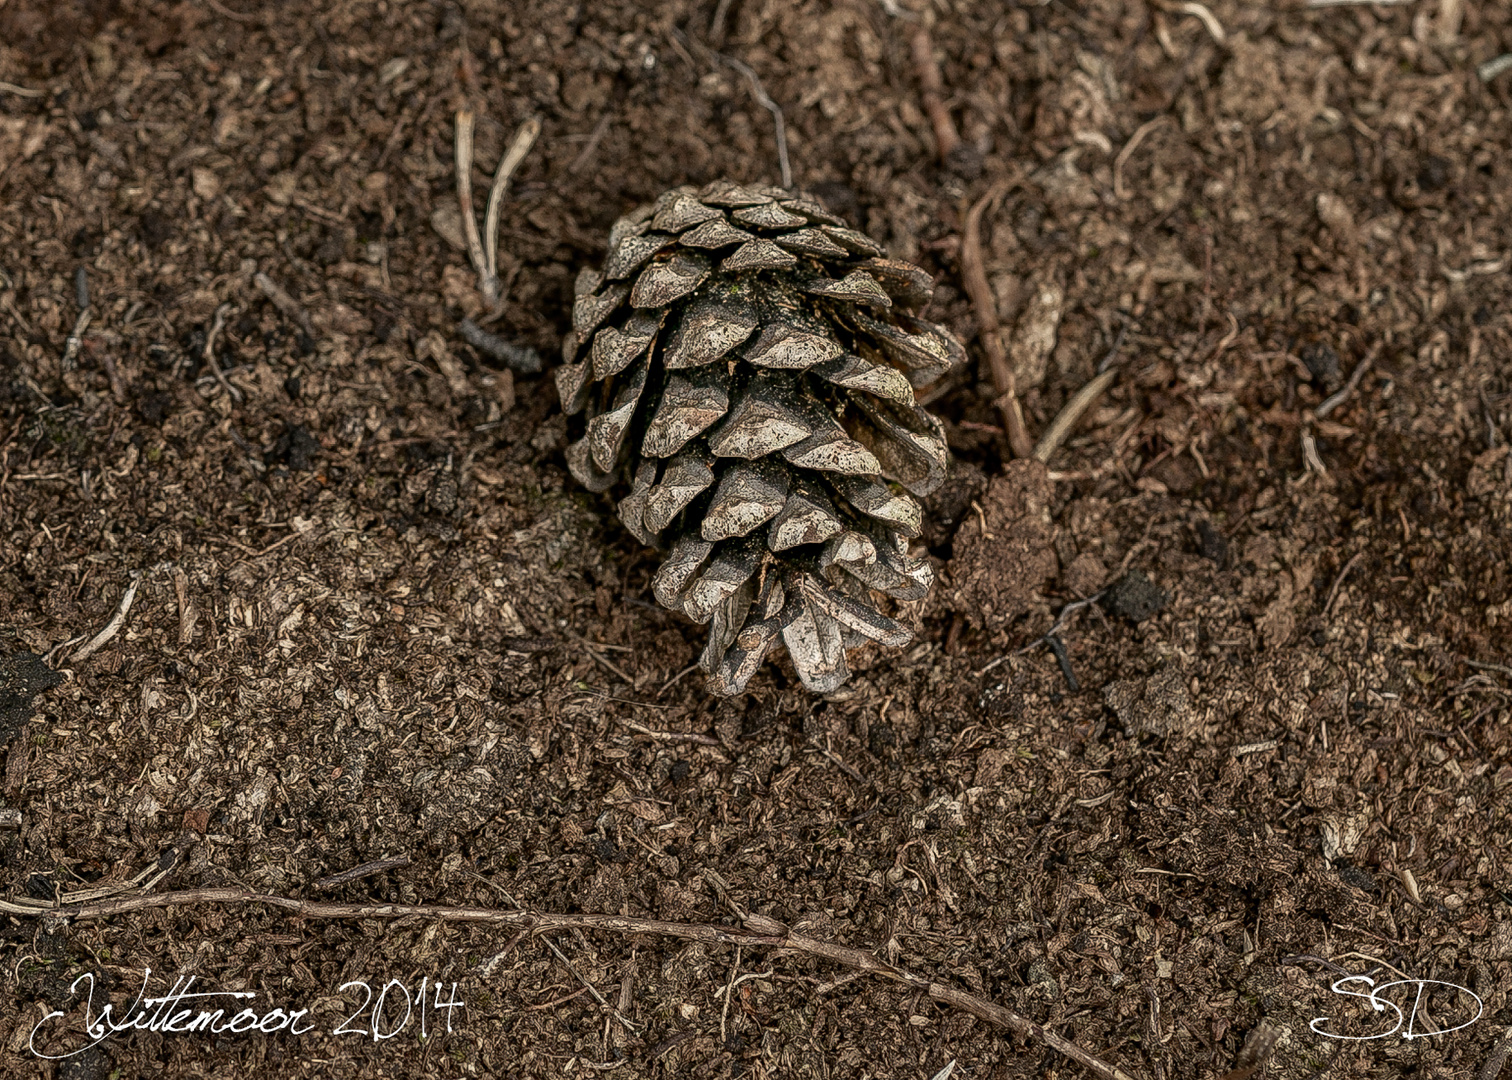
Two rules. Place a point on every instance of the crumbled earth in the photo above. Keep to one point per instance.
(375, 619)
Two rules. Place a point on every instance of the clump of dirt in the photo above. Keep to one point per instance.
(1003, 550)
(1134, 597)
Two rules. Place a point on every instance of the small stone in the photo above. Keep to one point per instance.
(1135, 597)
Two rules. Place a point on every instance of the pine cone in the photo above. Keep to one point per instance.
(748, 364)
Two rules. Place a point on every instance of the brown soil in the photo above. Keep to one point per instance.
(375, 618)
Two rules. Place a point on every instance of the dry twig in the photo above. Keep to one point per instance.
(1129, 147)
(669, 736)
(463, 152)
(1053, 634)
(1206, 17)
(932, 91)
(758, 932)
(283, 302)
(590, 147)
(521, 358)
(483, 250)
(1333, 402)
(974, 277)
(765, 101)
(113, 627)
(1333, 593)
(75, 341)
(235, 16)
(1492, 68)
(758, 91)
(358, 872)
(524, 139)
(220, 376)
(1067, 418)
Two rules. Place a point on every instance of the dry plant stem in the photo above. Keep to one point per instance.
(1333, 593)
(1492, 68)
(1333, 402)
(75, 341)
(1054, 632)
(932, 91)
(283, 301)
(1207, 18)
(717, 23)
(358, 872)
(778, 122)
(596, 136)
(1061, 426)
(464, 158)
(235, 16)
(1129, 147)
(524, 139)
(220, 376)
(974, 277)
(669, 736)
(759, 932)
(113, 627)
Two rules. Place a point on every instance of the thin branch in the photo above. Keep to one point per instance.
(674, 679)
(758, 91)
(758, 932)
(75, 341)
(1053, 633)
(521, 358)
(974, 277)
(1492, 68)
(669, 736)
(1207, 18)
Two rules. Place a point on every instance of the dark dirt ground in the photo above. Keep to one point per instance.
(375, 617)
